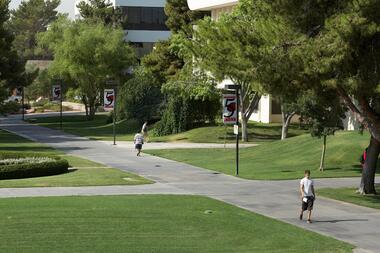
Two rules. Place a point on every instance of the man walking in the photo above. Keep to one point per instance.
(307, 195)
(139, 141)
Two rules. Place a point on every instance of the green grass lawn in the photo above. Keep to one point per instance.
(83, 172)
(350, 195)
(98, 129)
(148, 224)
(281, 159)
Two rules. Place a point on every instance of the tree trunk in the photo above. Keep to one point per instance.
(321, 166)
(367, 185)
(244, 128)
(286, 119)
(92, 108)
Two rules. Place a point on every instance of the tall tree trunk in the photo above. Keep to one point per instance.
(321, 166)
(367, 185)
(286, 119)
(85, 102)
(244, 128)
(92, 108)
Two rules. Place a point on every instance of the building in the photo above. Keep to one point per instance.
(146, 22)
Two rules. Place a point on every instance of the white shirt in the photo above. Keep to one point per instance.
(307, 184)
(139, 139)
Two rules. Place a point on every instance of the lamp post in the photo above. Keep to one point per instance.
(236, 88)
(113, 84)
(23, 102)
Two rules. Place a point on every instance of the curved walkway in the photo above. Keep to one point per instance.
(276, 199)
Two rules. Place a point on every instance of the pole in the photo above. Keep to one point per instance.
(114, 118)
(61, 114)
(23, 103)
(237, 135)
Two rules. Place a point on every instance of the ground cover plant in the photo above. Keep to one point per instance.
(281, 159)
(148, 224)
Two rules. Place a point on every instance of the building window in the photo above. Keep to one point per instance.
(145, 18)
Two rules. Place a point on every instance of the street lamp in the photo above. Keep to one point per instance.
(236, 88)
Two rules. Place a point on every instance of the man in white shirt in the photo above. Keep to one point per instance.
(139, 141)
(307, 195)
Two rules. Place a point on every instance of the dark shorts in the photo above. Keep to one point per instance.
(138, 146)
(308, 205)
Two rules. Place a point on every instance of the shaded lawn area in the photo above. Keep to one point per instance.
(148, 224)
(98, 129)
(83, 172)
(349, 195)
(281, 159)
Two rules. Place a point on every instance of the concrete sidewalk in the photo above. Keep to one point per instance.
(276, 199)
(176, 145)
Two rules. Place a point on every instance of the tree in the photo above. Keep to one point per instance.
(11, 67)
(180, 17)
(339, 44)
(89, 54)
(101, 11)
(32, 17)
(140, 97)
(323, 112)
(217, 51)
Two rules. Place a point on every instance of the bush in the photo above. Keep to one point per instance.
(10, 107)
(31, 166)
(183, 114)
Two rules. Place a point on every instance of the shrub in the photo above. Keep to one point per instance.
(24, 165)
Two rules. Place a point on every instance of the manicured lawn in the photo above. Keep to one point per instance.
(98, 129)
(281, 159)
(349, 195)
(83, 173)
(147, 224)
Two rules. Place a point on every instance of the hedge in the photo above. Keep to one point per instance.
(27, 170)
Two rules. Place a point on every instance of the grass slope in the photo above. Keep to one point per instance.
(350, 195)
(99, 130)
(84, 173)
(281, 159)
(148, 224)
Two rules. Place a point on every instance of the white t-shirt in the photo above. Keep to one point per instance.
(307, 184)
(139, 139)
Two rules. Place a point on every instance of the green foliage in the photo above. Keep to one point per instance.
(26, 170)
(140, 97)
(101, 11)
(30, 18)
(11, 67)
(183, 113)
(162, 62)
(89, 54)
(9, 107)
(180, 17)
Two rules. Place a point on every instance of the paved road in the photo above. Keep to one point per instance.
(276, 199)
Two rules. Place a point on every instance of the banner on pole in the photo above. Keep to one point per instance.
(109, 99)
(229, 109)
(57, 92)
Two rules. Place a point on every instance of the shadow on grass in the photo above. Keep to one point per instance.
(26, 149)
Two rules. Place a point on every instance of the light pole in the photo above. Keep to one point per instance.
(236, 88)
(113, 84)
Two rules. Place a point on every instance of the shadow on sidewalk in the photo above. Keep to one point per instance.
(336, 221)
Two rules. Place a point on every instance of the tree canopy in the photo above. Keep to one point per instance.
(101, 11)
(30, 18)
(89, 54)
